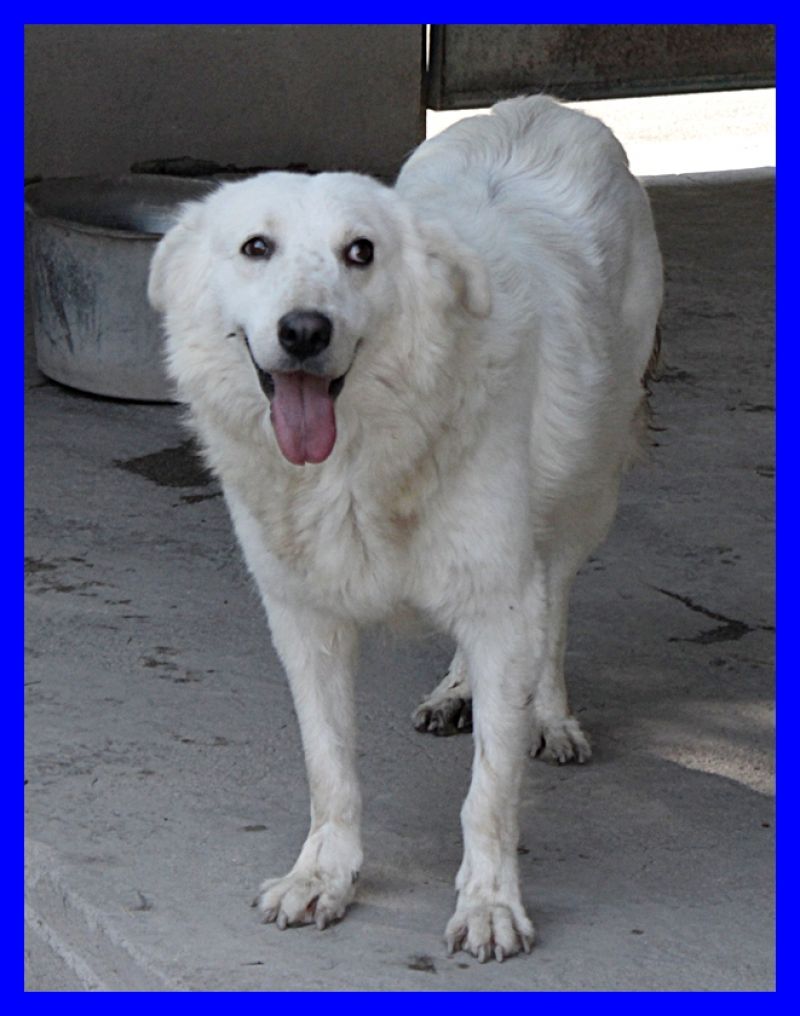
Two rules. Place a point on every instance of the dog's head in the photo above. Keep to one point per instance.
(282, 282)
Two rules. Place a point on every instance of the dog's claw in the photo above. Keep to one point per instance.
(561, 741)
(455, 941)
(490, 931)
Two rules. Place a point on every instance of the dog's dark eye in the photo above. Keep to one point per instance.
(258, 247)
(359, 253)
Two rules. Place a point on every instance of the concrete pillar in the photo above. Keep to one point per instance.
(100, 98)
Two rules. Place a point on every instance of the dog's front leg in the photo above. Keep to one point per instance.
(318, 652)
(490, 919)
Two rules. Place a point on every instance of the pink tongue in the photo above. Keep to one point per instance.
(303, 417)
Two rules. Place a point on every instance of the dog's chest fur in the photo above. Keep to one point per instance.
(348, 538)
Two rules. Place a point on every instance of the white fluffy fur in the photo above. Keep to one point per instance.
(496, 349)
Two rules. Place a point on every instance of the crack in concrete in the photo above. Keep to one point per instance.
(730, 630)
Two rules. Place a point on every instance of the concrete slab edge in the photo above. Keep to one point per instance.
(57, 949)
(92, 946)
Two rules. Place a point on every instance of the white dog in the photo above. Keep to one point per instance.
(422, 396)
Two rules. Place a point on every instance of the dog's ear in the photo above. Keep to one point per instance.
(177, 268)
(468, 272)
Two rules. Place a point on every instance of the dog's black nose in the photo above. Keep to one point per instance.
(304, 333)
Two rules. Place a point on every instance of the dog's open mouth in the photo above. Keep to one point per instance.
(302, 412)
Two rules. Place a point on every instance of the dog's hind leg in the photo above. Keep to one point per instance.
(318, 652)
(556, 734)
(448, 708)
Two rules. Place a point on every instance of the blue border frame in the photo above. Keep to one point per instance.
(146, 12)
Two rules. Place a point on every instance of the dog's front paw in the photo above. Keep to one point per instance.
(489, 930)
(559, 741)
(305, 898)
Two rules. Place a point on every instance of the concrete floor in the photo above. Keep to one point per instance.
(164, 769)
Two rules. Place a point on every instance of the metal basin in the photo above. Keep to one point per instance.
(90, 244)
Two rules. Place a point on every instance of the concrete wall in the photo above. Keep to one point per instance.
(102, 97)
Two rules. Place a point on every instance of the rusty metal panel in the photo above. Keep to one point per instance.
(475, 65)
